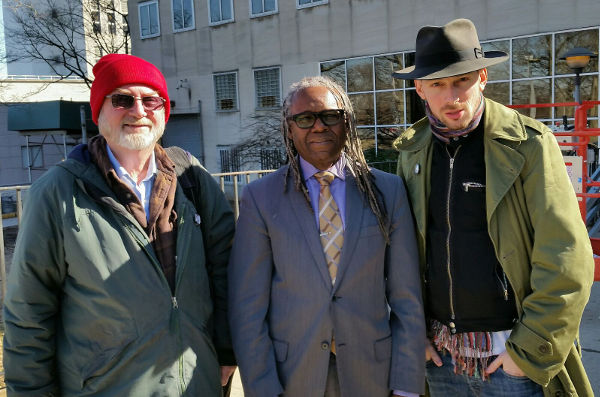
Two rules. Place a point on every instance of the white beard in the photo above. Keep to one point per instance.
(132, 141)
(139, 141)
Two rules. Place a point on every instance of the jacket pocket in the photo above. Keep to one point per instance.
(281, 350)
(383, 349)
(104, 361)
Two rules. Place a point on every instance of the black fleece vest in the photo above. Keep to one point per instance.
(465, 285)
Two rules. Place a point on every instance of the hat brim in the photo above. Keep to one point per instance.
(453, 69)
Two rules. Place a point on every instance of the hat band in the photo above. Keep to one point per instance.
(448, 57)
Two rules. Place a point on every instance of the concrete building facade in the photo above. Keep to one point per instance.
(27, 153)
(234, 60)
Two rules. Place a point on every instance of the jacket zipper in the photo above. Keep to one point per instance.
(448, 269)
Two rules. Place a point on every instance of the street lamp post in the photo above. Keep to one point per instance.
(578, 58)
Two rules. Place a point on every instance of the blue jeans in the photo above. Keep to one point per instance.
(444, 382)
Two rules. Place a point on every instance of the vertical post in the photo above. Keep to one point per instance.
(28, 152)
(236, 202)
(580, 126)
(2, 262)
(201, 131)
(83, 125)
(19, 206)
(577, 92)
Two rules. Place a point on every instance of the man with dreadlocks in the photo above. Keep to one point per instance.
(506, 260)
(324, 285)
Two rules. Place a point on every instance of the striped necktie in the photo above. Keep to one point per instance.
(330, 224)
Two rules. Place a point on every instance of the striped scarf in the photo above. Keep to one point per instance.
(444, 133)
(471, 351)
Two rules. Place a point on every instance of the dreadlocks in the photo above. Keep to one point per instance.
(356, 162)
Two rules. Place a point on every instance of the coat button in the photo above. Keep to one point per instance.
(543, 349)
(325, 346)
(417, 168)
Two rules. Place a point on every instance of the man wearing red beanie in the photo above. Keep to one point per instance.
(118, 285)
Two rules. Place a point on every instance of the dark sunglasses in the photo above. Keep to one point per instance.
(308, 119)
(126, 101)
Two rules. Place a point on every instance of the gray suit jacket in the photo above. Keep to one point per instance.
(283, 309)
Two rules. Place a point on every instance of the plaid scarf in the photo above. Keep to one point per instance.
(444, 133)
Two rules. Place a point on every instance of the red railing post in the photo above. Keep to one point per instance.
(580, 125)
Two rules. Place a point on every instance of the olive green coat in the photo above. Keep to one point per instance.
(538, 235)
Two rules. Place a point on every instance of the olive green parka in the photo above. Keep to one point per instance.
(538, 235)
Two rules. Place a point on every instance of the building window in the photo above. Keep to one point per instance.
(230, 160)
(268, 88)
(149, 19)
(310, 3)
(533, 74)
(96, 22)
(112, 22)
(259, 8)
(226, 92)
(183, 15)
(271, 158)
(220, 11)
(33, 157)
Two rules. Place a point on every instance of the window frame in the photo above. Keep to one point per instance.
(233, 161)
(265, 13)
(267, 154)
(237, 94)
(148, 4)
(184, 29)
(313, 3)
(111, 22)
(222, 21)
(256, 98)
(28, 149)
(96, 23)
(506, 82)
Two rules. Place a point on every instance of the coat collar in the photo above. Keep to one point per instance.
(503, 133)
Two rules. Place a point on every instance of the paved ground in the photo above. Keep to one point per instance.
(590, 338)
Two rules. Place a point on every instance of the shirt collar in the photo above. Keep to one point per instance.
(122, 172)
(337, 169)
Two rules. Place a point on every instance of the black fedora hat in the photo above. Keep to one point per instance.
(449, 50)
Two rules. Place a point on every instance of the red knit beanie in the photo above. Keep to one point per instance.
(116, 70)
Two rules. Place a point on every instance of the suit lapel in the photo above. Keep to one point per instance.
(306, 219)
(353, 217)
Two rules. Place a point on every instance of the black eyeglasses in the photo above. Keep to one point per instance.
(308, 119)
(126, 101)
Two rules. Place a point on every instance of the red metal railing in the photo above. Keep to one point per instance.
(583, 134)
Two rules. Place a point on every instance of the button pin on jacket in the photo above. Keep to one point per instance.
(197, 219)
(417, 168)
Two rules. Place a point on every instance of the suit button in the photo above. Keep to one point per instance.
(335, 298)
(544, 349)
(325, 346)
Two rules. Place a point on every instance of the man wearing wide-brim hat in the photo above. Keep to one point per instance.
(505, 257)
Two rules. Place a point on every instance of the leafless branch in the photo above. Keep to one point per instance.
(68, 36)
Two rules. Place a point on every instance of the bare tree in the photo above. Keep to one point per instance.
(67, 35)
(264, 145)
